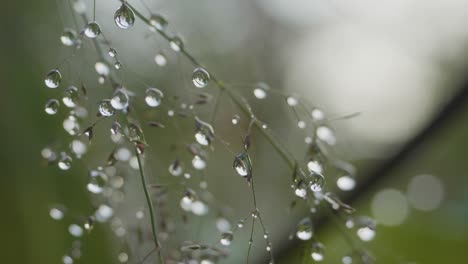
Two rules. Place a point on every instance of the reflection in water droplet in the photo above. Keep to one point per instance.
(200, 77)
(153, 97)
(120, 99)
(243, 165)
(124, 17)
(92, 30)
(160, 59)
(317, 183)
(52, 106)
(65, 162)
(112, 52)
(71, 97)
(226, 238)
(204, 134)
(304, 229)
(97, 181)
(71, 125)
(105, 108)
(316, 251)
(68, 37)
(53, 78)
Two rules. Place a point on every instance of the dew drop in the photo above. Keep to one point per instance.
(71, 125)
(115, 128)
(78, 148)
(105, 108)
(79, 6)
(198, 163)
(365, 228)
(118, 65)
(301, 124)
(304, 229)
(301, 190)
(160, 59)
(97, 181)
(200, 77)
(317, 114)
(175, 169)
(315, 166)
(243, 165)
(292, 101)
(223, 225)
(53, 78)
(235, 119)
(240, 224)
(204, 134)
(346, 183)
(317, 183)
(158, 22)
(153, 97)
(260, 91)
(176, 44)
(101, 68)
(52, 106)
(68, 37)
(120, 99)
(92, 30)
(124, 17)
(226, 239)
(65, 162)
(112, 52)
(316, 251)
(71, 97)
(75, 230)
(56, 213)
(123, 257)
(326, 135)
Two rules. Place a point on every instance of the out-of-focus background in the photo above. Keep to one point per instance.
(398, 63)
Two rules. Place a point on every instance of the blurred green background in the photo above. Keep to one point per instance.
(398, 64)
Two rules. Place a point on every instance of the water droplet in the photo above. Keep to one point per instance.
(223, 225)
(71, 125)
(200, 77)
(316, 251)
(123, 257)
(292, 101)
(204, 134)
(317, 114)
(304, 229)
(346, 183)
(75, 230)
(79, 6)
(226, 239)
(243, 165)
(160, 59)
(71, 97)
(198, 163)
(101, 68)
(97, 181)
(105, 108)
(120, 99)
(365, 228)
(176, 44)
(326, 135)
(67, 259)
(301, 190)
(118, 65)
(315, 166)
(52, 106)
(89, 224)
(112, 52)
(317, 183)
(199, 208)
(235, 119)
(240, 224)
(92, 30)
(104, 213)
(78, 148)
(68, 37)
(124, 17)
(158, 22)
(153, 97)
(115, 128)
(175, 169)
(65, 162)
(53, 78)
(260, 91)
(56, 213)
(301, 124)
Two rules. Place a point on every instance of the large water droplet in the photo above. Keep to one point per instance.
(317, 183)
(243, 165)
(200, 77)
(52, 106)
(124, 17)
(176, 44)
(135, 133)
(204, 134)
(53, 78)
(92, 30)
(158, 22)
(365, 228)
(304, 229)
(68, 37)
(105, 108)
(226, 238)
(160, 59)
(316, 251)
(71, 97)
(65, 162)
(153, 97)
(120, 99)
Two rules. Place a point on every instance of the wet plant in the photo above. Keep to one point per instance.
(125, 115)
